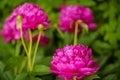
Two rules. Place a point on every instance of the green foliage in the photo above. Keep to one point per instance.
(21, 76)
(41, 70)
(105, 41)
(92, 77)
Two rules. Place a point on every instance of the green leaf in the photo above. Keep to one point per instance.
(56, 3)
(8, 75)
(41, 70)
(60, 79)
(117, 54)
(68, 38)
(87, 2)
(16, 3)
(21, 76)
(34, 78)
(2, 66)
(87, 39)
(101, 47)
(112, 38)
(110, 68)
(46, 60)
(71, 2)
(14, 61)
(103, 59)
(91, 77)
(103, 6)
(111, 77)
(6, 50)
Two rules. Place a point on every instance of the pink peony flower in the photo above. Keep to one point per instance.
(69, 15)
(73, 61)
(10, 31)
(32, 15)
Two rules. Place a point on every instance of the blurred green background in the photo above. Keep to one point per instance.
(105, 41)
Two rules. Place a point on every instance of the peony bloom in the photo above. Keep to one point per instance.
(74, 61)
(10, 31)
(32, 15)
(69, 15)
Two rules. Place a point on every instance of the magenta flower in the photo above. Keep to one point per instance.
(10, 31)
(32, 15)
(74, 61)
(69, 15)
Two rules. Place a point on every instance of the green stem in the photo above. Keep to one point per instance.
(29, 54)
(23, 43)
(76, 32)
(59, 31)
(36, 47)
(24, 46)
